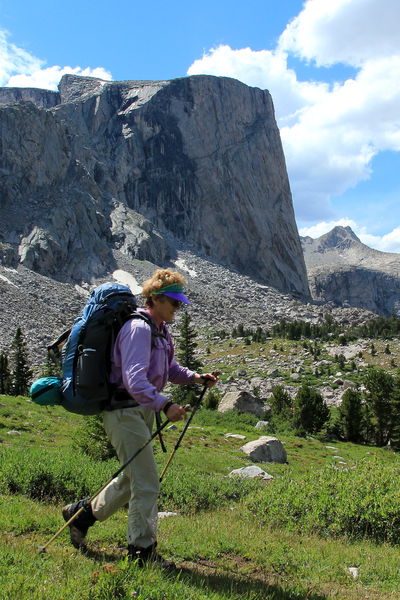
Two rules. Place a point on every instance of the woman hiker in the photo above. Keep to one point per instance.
(142, 363)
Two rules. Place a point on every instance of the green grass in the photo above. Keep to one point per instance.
(231, 539)
(36, 425)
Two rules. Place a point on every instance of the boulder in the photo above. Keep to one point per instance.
(242, 402)
(251, 472)
(265, 449)
(273, 373)
(262, 424)
(235, 436)
(165, 514)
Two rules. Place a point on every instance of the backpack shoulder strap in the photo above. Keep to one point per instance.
(155, 333)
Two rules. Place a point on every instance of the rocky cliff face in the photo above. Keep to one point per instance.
(41, 98)
(345, 271)
(130, 168)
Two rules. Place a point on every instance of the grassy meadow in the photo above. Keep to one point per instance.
(325, 527)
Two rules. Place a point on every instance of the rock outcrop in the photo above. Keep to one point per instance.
(344, 271)
(134, 167)
(243, 402)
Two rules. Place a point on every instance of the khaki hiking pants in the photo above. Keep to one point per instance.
(138, 485)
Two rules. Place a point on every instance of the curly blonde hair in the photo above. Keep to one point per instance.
(160, 278)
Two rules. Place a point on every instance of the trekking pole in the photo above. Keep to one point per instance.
(78, 512)
(160, 437)
(194, 409)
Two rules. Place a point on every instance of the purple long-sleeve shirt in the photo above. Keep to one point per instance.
(143, 368)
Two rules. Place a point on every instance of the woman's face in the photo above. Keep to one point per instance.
(164, 308)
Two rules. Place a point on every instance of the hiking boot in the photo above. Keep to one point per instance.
(79, 527)
(141, 556)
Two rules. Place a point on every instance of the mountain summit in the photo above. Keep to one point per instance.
(338, 238)
(344, 271)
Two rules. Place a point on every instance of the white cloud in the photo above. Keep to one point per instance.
(389, 242)
(49, 78)
(330, 133)
(15, 60)
(348, 31)
(265, 69)
(18, 68)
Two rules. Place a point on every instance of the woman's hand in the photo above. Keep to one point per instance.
(175, 413)
(208, 379)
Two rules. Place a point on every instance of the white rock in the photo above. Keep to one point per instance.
(265, 449)
(354, 571)
(235, 436)
(261, 424)
(163, 515)
(251, 472)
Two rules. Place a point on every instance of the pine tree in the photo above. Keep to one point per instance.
(310, 410)
(5, 375)
(381, 388)
(21, 374)
(351, 415)
(186, 394)
(52, 367)
(342, 362)
(395, 433)
(280, 401)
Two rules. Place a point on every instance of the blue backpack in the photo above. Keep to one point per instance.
(85, 387)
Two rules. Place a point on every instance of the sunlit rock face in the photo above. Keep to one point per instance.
(136, 167)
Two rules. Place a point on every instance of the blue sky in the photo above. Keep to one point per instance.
(333, 70)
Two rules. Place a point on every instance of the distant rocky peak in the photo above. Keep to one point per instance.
(338, 237)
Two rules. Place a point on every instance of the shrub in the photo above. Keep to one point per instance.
(228, 420)
(46, 475)
(212, 399)
(189, 491)
(91, 439)
(361, 503)
(62, 477)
